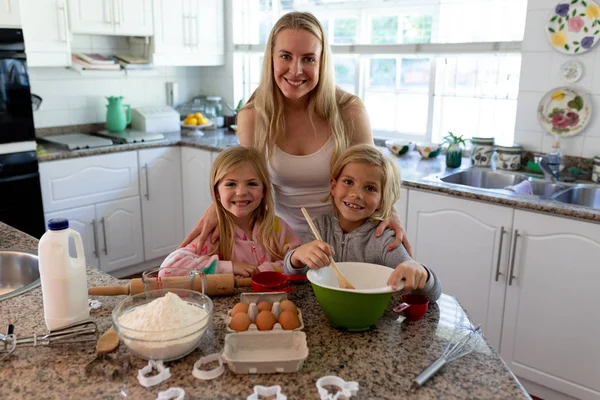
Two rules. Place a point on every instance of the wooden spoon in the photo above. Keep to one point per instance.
(108, 342)
(342, 281)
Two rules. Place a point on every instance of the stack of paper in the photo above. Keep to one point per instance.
(93, 61)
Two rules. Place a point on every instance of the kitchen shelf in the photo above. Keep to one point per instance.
(98, 73)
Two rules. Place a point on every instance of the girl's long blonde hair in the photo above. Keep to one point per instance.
(264, 215)
(326, 100)
(390, 176)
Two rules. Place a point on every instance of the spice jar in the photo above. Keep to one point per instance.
(508, 157)
(596, 169)
(481, 151)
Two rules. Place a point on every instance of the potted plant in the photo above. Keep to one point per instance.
(454, 150)
(231, 120)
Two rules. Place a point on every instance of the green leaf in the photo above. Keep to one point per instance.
(559, 20)
(551, 30)
(566, 47)
(575, 42)
(574, 12)
(598, 31)
(584, 3)
(576, 103)
(574, 1)
(562, 26)
(567, 18)
(553, 18)
(577, 50)
(582, 15)
(585, 29)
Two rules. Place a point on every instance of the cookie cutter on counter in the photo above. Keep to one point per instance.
(206, 375)
(149, 381)
(84, 331)
(347, 389)
(172, 393)
(262, 392)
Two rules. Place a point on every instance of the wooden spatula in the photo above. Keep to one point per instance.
(342, 281)
(108, 342)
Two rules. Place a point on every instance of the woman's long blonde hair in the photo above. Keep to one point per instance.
(326, 100)
(264, 215)
(390, 176)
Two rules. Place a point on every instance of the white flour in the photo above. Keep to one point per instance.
(164, 329)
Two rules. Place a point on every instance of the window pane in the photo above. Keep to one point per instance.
(381, 108)
(344, 31)
(416, 29)
(405, 113)
(345, 70)
(382, 72)
(415, 73)
(384, 30)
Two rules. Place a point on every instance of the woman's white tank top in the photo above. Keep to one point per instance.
(301, 181)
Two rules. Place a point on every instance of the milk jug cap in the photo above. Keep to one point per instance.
(58, 224)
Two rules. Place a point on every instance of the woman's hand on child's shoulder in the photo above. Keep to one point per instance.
(243, 269)
(414, 274)
(315, 255)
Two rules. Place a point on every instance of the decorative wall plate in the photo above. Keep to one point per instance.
(565, 111)
(573, 26)
(572, 71)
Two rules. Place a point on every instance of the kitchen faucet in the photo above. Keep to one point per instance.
(550, 166)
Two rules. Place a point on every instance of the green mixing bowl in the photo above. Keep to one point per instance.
(358, 309)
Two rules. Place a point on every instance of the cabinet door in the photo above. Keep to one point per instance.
(207, 30)
(551, 325)
(120, 233)
(82, 220)
(171, 30)
(162, 210)
(10, 14)
(46, 33)
(195, 171)
(92, 16)
(133, 17)
(466, 243)
(402, 207)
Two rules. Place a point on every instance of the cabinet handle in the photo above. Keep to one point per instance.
(147, 195)
(194, 32)
(104, 235)
(498, 273)
(95, 238)
(109, 13)
(186, 29)
(63, 12)
(512, 261)
(117, 12)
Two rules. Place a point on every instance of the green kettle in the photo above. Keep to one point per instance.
(116, 116)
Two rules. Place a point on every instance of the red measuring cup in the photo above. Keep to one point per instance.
(273, 281)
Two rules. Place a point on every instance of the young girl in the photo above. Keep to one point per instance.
(364, 187)
(251, 237)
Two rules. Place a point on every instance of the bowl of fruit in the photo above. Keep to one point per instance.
(196, 121)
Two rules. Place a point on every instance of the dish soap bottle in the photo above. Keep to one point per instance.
(64, 278)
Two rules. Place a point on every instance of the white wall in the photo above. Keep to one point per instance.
(540, 72)
(70, 98)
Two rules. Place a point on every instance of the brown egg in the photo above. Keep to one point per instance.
(264, 306)
(240, 308)
(287, 305)
(289, 320)
(265, 320)
(240, 322)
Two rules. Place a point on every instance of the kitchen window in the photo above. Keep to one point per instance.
(422, 67)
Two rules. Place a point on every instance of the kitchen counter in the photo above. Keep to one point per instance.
(383, 360)
(413, 171)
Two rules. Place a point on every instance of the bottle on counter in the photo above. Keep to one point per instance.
(63, 278)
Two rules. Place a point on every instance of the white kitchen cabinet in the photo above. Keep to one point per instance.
(120, 234)
(10, 14)
(161, 195)
(111, 17)
(46, 31)
(551, 325)
(401, 207)
(195, 171)
(188, 32)
(466, 243)
(82, 220)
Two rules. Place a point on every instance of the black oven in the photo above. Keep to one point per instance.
(16, 114)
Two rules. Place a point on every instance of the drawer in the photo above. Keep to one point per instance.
(88, 180)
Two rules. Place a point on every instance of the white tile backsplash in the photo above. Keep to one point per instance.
(588, 60)
(591, 146)
(535, 73)
(569, 146)
(527, 104)
(529, 139)
(535, 38)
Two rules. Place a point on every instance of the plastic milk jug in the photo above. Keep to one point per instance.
(64, 278)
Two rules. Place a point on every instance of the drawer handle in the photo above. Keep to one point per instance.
(95, 238)
(498, 273)
(512, 261)
(104, 235)
(147, 195)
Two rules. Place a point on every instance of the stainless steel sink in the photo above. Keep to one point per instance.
(583, 195)
(19, 273)
(484, 178)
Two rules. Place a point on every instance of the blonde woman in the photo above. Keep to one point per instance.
(364, 186)
(251, 237)
(300, 122)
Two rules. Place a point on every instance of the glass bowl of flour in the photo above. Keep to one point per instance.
(163, 324)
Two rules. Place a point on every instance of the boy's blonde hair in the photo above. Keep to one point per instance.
(390, 176)
(326, 100)
(264, 215)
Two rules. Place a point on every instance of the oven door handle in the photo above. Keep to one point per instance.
(19, 177)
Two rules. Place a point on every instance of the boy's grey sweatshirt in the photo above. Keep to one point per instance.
(361, 245)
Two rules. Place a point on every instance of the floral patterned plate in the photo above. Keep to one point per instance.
(564, 111)
(574, 26)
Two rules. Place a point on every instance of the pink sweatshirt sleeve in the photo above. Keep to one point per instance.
(187, 258)
(286, 240)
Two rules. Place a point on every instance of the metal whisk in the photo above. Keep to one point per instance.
(456, 348)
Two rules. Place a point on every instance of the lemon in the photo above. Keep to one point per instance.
(198, 116)
(558, 95)
(192, 121)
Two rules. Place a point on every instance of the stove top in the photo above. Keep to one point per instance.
(76, 141)
(131, 136)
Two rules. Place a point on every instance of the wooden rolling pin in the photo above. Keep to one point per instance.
(216, 285)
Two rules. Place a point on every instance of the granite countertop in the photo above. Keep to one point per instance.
(415, 172)
(383, 360)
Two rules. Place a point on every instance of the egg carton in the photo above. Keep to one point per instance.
(265, 352)
(253, 299)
